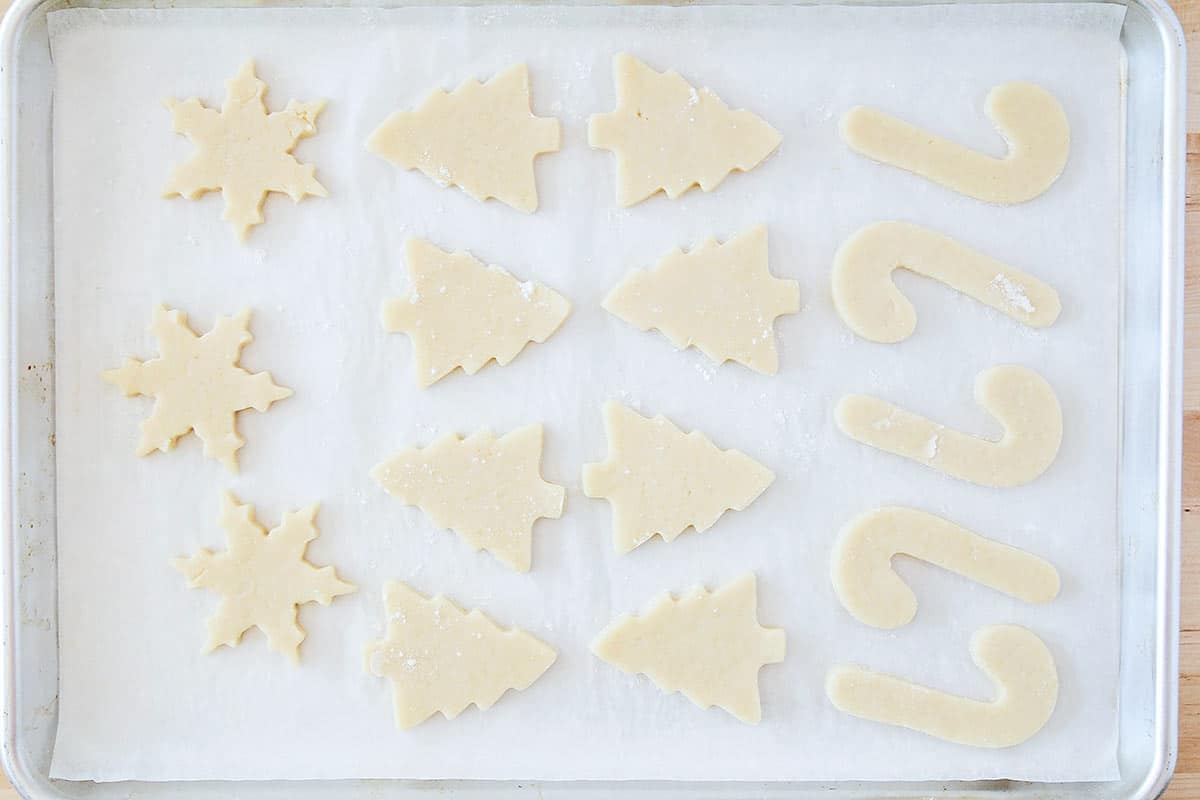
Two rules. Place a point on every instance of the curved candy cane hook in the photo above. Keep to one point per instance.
(1014, 658)
(1029, 118)
(875, 595)
(868, 301)
(1017, 396)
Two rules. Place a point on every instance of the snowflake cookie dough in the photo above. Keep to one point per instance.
(663, 481)
(261, 578)
(1028, 117)
(872, 591)
(1018, 397)
(667, 135)
(481, 137)
(708, 645)
(440, 658)
(721, 298)
(243, 151)
(196, 384)
(462, 313)
(868, 301)
(1017, 661)
(487, 490)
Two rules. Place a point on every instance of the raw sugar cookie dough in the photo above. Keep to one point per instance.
(197, 385)
(720, 298)
(708, 645)
(486, 489)
(1029, 118)
(1016, 660)
(262, 577)
(870, 588)
(669, 136)
(1022, 401)
(440, 658)
(481, 137)
(462, 313)
(866, 297)
(243, 150)
(662, 481)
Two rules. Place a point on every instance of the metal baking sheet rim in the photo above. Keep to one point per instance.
(1150, 583)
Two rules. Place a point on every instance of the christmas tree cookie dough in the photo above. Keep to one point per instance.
(460, 313)
(1016, 660)
(1029, 118)
(668, 135)
(868, 301)
(487, 490)
(261, 578)
(243, 151)
(663, 481)
(721, 298)
(1018, 397)
(197, 385)
(440, 658)
(876, 595)
(708, 645)
(481, 137)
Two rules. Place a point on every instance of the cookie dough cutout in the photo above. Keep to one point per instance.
(1016, 660)
(875, 595)
(487, 490)
(243, 151)
(663, 481)
(707, 645)
(1029, 118)
(868, 301)
(482, 138)
(668, 135)
(721, 298)
(262, 577)
(1018, 397)
(441, 658)
(460, 313)
(196, 384)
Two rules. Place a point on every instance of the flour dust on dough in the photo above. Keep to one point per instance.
(707, 645)
(1016, 660)
(482, 138)
(197, 385)
(667, 135)
(486, 489)
(662, 481)
(439, 658)
(867, 299)
(1029, 118)
(871, 590)
(1019, 398)
(262, 577)
(460, 312)
(243, 151)
(721, 298)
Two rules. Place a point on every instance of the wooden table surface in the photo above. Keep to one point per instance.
(1186, 785)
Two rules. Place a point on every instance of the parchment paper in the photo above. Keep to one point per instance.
(137, 698)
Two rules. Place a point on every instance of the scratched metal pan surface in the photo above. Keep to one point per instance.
(1149, 494)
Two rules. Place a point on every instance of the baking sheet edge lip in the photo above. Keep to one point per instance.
(25, 777)
(1161, 768)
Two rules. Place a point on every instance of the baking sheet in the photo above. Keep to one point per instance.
(138, 701)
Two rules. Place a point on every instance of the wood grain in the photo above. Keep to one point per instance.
(1186, 784)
